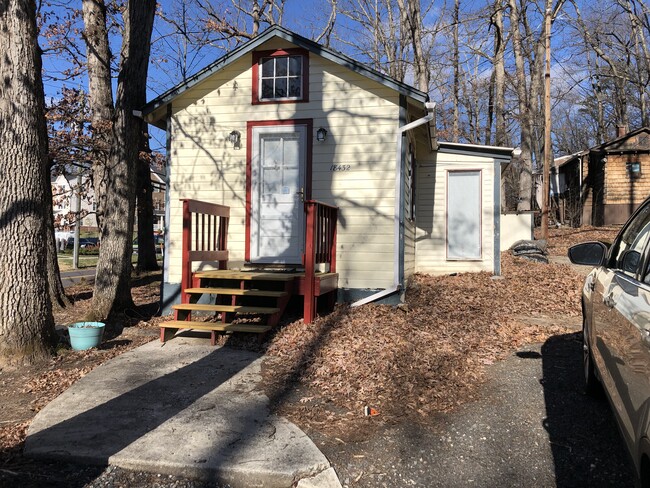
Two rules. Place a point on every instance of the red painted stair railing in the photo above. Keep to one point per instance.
(320, 248)
(205, 238)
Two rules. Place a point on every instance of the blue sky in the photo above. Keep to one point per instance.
(307, 17)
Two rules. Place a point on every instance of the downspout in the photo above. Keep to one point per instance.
(399, 204)
(168, 171)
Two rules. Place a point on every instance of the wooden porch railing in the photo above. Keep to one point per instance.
(205, 237)
(320, 247)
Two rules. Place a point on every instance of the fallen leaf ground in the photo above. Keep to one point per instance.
(423, 357)
(406, 362)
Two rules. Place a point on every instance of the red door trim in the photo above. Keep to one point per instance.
(309, 123)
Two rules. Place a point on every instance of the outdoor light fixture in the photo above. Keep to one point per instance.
(235, 138)
(321, 134)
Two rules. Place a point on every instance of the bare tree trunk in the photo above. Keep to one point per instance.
(526, 164)
(98, 55)
(501, 134)
(394, 46)
(324, 37)
(490, 115)
(642, 57)
(596, 86)
(617, 71)
(144, 198)
(536, 95)
(112, 295)
(26, 323)
(256, 18)
(411, 25)
(456, 62)
(56, 289)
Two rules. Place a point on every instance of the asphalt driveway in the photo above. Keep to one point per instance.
(533, 426)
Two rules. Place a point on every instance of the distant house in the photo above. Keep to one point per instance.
(282, 128)
(604, 184)
(158, 196)
(65, 194)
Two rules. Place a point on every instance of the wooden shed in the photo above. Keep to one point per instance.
(606, 183)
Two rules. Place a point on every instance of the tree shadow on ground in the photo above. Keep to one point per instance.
(587, 447)
(152, 401)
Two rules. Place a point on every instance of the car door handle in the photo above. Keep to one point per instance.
(609, 301)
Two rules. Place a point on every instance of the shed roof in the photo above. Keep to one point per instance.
(296, 39)
(564, 160)
(505, 152)
(607, 145)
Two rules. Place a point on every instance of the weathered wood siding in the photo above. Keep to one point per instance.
(360, 116)
(431, 237)
(620, 186)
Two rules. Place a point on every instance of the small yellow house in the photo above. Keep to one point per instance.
(281, 121)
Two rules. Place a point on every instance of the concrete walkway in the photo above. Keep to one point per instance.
(182, 408)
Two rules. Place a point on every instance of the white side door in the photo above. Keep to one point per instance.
(277, 184)
(464, 215)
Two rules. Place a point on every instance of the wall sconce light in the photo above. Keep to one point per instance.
(235, 138)
(321, 134)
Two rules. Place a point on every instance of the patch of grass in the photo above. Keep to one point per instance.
(65, 261)
(85, 261)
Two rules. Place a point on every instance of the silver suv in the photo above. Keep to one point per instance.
(616, 330)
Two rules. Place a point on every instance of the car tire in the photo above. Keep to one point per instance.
(592, 384)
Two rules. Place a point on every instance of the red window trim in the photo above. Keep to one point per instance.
(250, 125)
(480, 214)
(257, 55)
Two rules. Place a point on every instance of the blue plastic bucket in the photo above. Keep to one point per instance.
(85, 335)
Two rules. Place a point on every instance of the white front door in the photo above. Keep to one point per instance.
(277, 185)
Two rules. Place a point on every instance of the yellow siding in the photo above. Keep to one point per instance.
(361, 118)
(431, 246)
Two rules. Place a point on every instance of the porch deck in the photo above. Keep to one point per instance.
(325, 282)
(242, 300)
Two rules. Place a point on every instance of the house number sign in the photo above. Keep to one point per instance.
(340, 167)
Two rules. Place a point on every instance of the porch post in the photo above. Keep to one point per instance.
(186, 265)
(309, 299)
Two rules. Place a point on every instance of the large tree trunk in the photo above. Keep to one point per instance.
(146, 245)
(98, 56)
(112, 295)
(26, 322)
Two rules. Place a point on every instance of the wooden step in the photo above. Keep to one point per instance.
(206, 307)
(245, 275)
(238, 292)
(216, 326)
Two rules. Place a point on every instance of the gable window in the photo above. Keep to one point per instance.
(280, 76)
